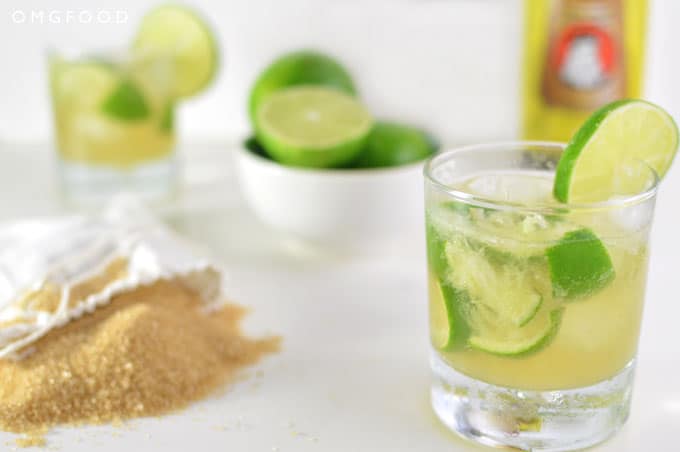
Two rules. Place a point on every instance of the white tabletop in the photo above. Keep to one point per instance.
(353, 373)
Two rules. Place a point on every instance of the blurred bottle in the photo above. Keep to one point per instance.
(578, 56)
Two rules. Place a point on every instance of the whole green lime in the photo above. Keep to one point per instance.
(394, 144)
(304, 67)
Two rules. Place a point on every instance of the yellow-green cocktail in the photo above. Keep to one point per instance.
(537, 259)
(114, 110)
(495, 269)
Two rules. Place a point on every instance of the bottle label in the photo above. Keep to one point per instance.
(584, 67)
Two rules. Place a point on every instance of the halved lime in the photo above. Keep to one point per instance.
(594, 165)
(494, 335)
(447, 326)
(579, 265)
(303, 67)
(126, 102)
(393, 144)
(312, 126)
(180, 34)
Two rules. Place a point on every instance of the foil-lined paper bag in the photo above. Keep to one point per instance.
(55, 270)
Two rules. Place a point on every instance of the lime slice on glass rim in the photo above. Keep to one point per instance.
(312, 126)
(596, 166)
(593, 165)
(179, 33)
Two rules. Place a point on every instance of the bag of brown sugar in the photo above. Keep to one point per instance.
(109, 317)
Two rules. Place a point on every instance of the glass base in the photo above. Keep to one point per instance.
(530, 420)
(88, 185)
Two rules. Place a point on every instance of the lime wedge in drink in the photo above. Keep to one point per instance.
(180, 34)
(436, 249)
(116, 97)
(447, 326)
(71, 80)
(126, 102)
(501, 292)
(579, 265)
(594, 164)
(508, 289)
(493, 334)
(303, 67)
(312, 126)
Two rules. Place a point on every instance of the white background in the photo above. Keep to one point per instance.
(451, 65)
(353, 372)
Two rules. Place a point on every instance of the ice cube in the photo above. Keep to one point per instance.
(632, 218)
(524, 187)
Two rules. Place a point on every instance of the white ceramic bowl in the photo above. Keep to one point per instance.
(355, 210)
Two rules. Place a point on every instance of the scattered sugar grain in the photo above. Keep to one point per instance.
(32, 439)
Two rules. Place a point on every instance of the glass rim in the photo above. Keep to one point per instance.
(481, 201)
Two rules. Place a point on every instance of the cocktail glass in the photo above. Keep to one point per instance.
(113, 117)
(535, 305)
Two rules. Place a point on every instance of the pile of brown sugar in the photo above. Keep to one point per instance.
(147, 352)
